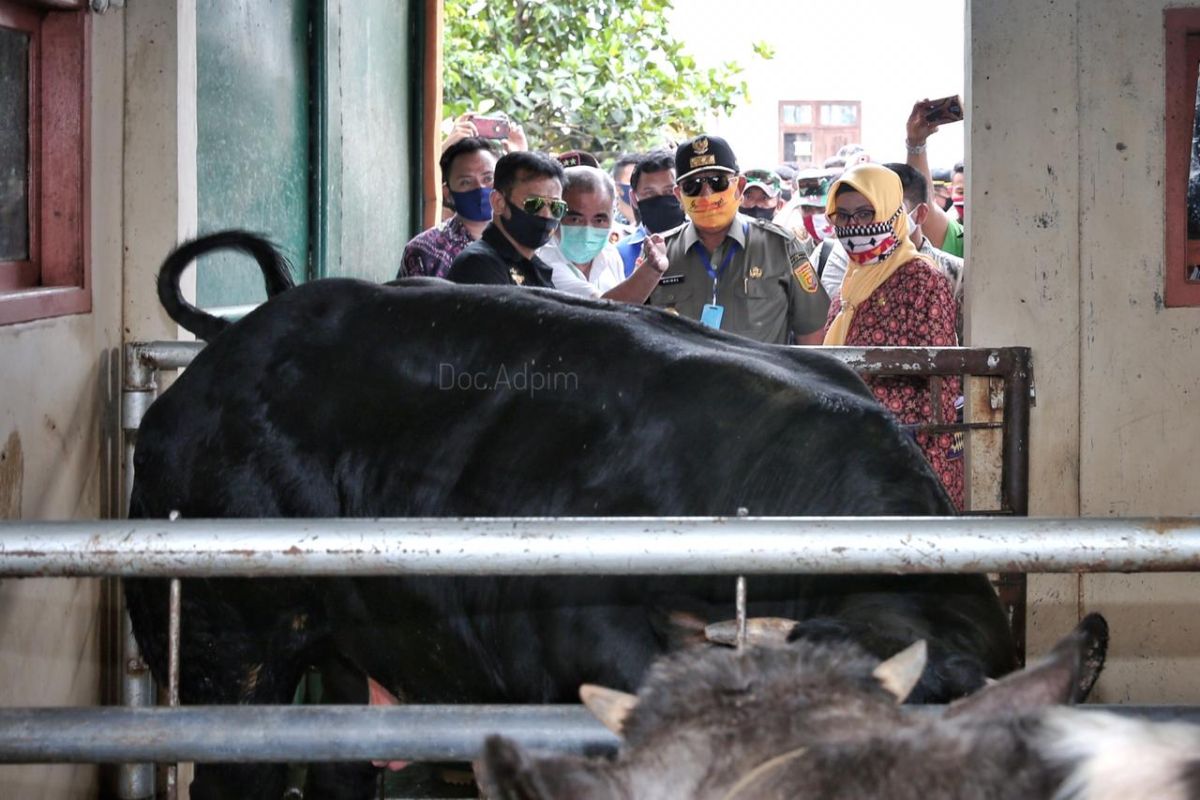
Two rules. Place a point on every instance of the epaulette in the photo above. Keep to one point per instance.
(767, 225)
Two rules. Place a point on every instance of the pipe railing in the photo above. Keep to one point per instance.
(257, 734)
(582, 545)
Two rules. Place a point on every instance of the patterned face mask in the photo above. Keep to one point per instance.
(870, 243)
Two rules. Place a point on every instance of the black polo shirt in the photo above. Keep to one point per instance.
(494, 260)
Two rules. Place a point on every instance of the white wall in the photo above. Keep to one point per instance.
(888, 55)
(1065, 209)
(58, 418)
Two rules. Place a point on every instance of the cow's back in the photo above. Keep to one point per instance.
(342, 398)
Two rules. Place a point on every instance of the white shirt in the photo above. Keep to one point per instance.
(607, 270)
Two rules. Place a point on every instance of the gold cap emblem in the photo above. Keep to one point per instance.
(701, 146)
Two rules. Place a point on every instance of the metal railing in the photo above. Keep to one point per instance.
(596, 546)
(143, 361)
(294, 734)
(517, 546)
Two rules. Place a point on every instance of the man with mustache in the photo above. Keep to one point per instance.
(734, 273)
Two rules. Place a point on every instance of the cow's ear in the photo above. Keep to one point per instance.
(607, 705)
(677, 627)
(505, 772)
(902, 672)
(1066, 675)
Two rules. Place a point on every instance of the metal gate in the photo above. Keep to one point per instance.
(1007, 545)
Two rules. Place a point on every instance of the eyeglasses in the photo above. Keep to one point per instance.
(861, 216)
(693, 186)
(534, 205)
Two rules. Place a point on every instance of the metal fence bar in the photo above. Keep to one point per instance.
(143, 360)
(134, 781)
(983, 361)
(246, 734)
(288, 733)
(583, 545)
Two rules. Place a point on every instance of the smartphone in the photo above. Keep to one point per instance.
(946, 109)
(491, 127)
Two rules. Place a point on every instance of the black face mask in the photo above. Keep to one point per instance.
(759, 212)
(661, 213)
(530, 230)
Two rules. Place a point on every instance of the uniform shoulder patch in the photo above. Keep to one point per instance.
(803, 272)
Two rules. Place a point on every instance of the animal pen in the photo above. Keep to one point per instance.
(1000, 540)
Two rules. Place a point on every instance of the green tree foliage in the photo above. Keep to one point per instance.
(605, 76)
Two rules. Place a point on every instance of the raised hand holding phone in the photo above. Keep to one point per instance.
(943, 110)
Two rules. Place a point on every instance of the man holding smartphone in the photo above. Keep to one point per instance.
(731, 272)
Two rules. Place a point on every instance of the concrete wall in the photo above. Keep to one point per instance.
(1065, 199)
(58, 400)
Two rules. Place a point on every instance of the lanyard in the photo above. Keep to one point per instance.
(715, 274)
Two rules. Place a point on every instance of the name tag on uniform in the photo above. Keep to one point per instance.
(711, 316)
(670, 280)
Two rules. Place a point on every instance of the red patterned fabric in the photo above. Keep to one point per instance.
(914, 308)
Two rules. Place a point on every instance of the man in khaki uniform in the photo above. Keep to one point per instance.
(741, 275)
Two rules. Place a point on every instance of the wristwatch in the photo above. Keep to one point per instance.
(914, 149)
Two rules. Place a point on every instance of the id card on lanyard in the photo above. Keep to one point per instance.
(712, 314)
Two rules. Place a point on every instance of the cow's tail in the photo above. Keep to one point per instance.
(277, 275)
(1111, 757)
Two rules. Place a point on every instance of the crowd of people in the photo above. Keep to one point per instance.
(852, 253)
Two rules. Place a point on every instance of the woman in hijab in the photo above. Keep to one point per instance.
(893, 296)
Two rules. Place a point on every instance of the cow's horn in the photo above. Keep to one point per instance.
(607, 705)
(759, 630)
(900, 673)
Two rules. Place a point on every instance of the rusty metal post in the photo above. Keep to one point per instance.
(1014, 481)
(1018, 386)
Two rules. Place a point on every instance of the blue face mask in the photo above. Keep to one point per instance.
(580, 243)
(474, 205)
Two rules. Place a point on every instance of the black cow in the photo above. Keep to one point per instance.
(820, 720)
(341, 398)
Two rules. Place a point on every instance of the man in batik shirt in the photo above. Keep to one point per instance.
(467, 169)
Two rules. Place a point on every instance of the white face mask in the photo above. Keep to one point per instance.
(912, 222)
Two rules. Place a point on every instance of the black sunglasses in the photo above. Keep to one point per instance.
(534, 205)
(693, 186)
